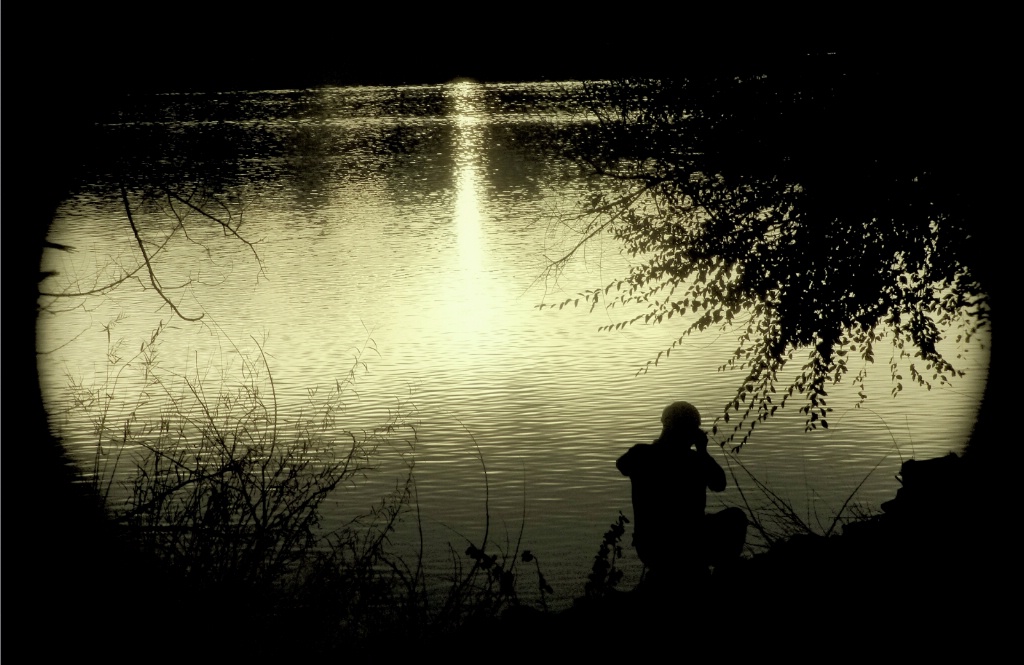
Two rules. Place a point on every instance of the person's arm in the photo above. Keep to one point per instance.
(628, 462)
(713, 473)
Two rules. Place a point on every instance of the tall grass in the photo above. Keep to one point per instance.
(774, 518)
(229, 495)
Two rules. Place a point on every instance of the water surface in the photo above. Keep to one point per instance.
(402, 237)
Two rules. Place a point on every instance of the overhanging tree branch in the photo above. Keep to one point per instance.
(780, 197)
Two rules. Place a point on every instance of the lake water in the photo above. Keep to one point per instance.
(403, 233)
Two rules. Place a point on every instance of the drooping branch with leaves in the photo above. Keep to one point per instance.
(784, 207)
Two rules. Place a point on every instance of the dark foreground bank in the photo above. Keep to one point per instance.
(932, 575)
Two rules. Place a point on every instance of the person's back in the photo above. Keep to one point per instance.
(668, 493)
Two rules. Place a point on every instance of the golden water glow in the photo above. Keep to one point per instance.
(467, 222)
(467, 104)
(471, 299)
(435, 276)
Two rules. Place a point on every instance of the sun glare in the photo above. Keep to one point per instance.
(467, 116)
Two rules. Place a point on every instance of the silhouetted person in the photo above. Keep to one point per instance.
(672, 535)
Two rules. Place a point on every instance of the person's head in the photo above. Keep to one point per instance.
(680, 421)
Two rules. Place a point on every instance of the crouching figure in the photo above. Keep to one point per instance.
(674, 538)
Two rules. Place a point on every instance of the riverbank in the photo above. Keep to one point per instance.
(930, 575)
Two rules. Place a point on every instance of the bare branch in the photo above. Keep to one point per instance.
(102, 285)
(149, 266)
(225, 225)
